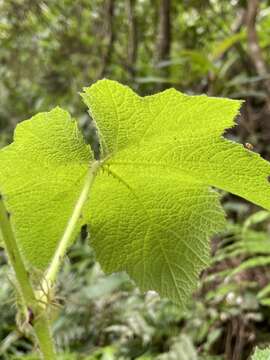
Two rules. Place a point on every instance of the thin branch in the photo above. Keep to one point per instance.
(106, 58)
(132, 37)
(163, 41)
(253, 44)
(163, 45)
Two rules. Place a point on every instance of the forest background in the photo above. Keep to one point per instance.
(50, 50)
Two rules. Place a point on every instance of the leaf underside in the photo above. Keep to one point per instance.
(152, 208)
(41, 175)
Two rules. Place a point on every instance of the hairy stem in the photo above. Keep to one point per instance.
(69, 230)
(37, 315)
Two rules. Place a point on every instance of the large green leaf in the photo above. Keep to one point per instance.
(152, 208)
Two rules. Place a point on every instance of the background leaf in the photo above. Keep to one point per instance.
(261, 354)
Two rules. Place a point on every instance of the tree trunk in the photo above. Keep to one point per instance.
(132, 38)
(163, 43)
(254, 47)
(106, 58)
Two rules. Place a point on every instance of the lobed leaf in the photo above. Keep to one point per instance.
(161, 155)
(152, 207)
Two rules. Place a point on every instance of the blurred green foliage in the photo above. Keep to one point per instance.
(51, 49)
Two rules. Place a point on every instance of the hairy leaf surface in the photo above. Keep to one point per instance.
(152, 207)
(41, 175)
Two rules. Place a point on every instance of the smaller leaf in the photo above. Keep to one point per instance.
(251, 263)
(261, 354)
(227, 43)
(256, 218)
(41, 176)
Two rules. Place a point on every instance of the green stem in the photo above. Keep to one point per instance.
(71, 225)
(36, 311)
